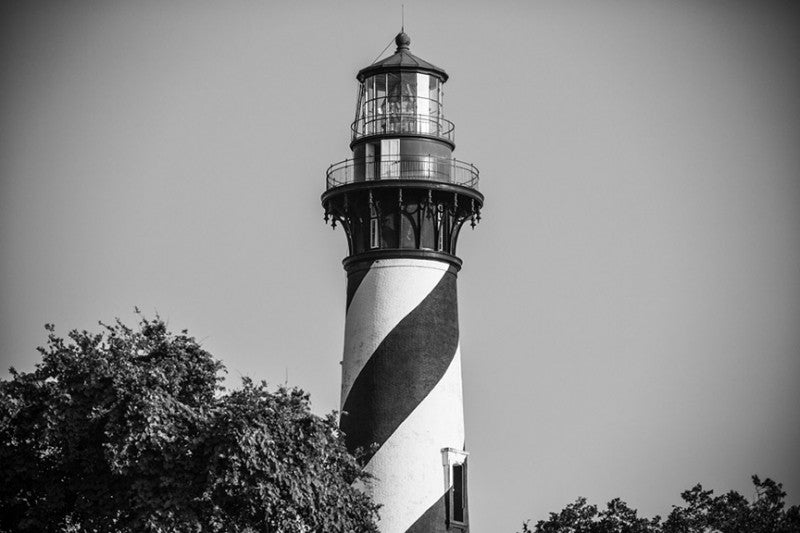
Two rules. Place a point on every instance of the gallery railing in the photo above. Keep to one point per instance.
(408, 124)
(403, 167)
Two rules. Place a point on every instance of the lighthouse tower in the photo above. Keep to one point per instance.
(402, 200)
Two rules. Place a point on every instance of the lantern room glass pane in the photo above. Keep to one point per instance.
(433, 88)
(370, 87)
(360, 109)
(423, 104)
(380, 85)
(380, 95)
(393, 92)
(435, 96)
(360, 104)
(409, 93)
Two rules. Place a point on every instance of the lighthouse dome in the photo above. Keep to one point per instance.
(402, 60)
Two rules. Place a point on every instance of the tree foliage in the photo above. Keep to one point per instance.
(580, 517)
(702, 512)
(129, 430)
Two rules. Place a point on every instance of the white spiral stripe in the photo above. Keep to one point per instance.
(409, 476)
(391, 290)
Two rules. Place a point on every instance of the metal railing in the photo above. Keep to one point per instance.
(400, 123)
(403, 167)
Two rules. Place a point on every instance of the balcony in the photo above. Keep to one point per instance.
(403, 167)
(404, 124)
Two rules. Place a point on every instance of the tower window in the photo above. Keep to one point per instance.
(374, 228)
(374, 236)
(408, 231)
(455, 471)
(390, 230)
(427, 230)
(440, 227)
(458, 493)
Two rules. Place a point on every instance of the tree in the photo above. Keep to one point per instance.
(130, 430)
(733, 513)
(703, 513)
(579, 517)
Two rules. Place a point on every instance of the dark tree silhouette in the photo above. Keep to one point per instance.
(129, 430)
(580, 517)
(701, 513)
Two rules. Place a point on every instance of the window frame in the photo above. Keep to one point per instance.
(452, 457)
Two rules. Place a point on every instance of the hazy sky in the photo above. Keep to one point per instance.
(629, 306)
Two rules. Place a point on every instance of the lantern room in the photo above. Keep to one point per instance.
(401, 95)
(399, 127)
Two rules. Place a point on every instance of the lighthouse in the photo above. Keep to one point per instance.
(402, 200)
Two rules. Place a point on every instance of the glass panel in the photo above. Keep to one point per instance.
(409, 84)
(360, 103)
(370, 89)
(379, 122)
(427, 167)
(454, 237)
(423, 104)
(380, 103)
(380, 85)
(393, 103)
(360, 236)
(374, 238)
(389, 231)
(409, 93)
(393, 92)
(407, 232)
(426, 231)
(369, 162)
(390, 158)
(409, 102)
(433, 88)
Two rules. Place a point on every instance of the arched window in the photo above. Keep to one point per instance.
(427, 230)
(441, 228)
(408, 231)
(389, 230)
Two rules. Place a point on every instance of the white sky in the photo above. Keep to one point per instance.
(629, 305)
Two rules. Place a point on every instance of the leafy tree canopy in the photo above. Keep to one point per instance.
(129, 430)
(702, 512)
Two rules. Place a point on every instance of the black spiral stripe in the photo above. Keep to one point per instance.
(354, 279)
(403, 370)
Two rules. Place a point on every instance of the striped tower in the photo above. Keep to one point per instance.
(402, 200)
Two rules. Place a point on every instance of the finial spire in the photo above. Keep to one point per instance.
(402, 18)
(402, 41)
